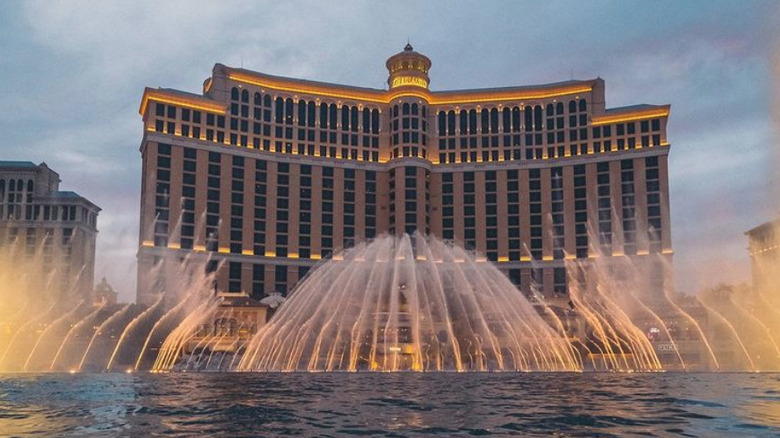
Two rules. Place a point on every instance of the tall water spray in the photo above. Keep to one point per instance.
(408, 303)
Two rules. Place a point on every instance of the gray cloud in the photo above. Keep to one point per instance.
(73, 73)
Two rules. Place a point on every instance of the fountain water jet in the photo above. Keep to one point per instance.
(409, 303)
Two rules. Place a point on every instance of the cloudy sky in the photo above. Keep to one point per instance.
(72, 74)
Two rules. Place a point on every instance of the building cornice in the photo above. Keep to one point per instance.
(177, 98)
(386, 96)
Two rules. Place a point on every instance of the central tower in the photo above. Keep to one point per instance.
(408, 69)
(409, 158)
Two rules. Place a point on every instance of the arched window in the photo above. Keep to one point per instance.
(279, 110)
(473, 122)
(267, 101)
(245, 96)
(312, 113)
(334, 116)
(572, 106)
(395, 111)
(442, 123)
(529, 119)
(258, 99)
(354, 117)
(366, 120)
(494, 120)
(234, 94)
(550, 110)
(302, 112)
(11, 187)
(2, 191)
(375, 121)
(288, 111)
(324, 115)
(30, 186)
(405, 109)
(485, 115)
(583, 105)
(464, 125)
(559, 108)
(506, 119)
(451, 122)
(345, 118)
(415, 109)
(424, 112)
(516, 119)
(537, 118)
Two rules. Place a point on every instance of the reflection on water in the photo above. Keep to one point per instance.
(391, 404)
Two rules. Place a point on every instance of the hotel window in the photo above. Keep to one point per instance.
(162, 195)
(258, 281)
(469, 210)
(629, 206)
(491, 215)
(237, 205)
(282, 208)
(234, 277)
(556, 206)
(260, 193)
(580, 211)
(653, 185)
(326, 241)
(212, 196)
(513, 215)
(604, 207)
(304, 212)
(559, 281)
(370, 204)
(535, 217)
(189, 177)
(280, 279)
(349, 208)
(448, 210)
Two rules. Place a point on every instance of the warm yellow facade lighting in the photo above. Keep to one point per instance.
(630, 116)
(170, 98)
(380, 96)
(414, 81)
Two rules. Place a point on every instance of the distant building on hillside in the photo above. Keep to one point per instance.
(53, 231)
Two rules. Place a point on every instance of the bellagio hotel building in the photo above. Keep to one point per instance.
(265, 175)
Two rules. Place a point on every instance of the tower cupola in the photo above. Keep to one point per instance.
(408, 69)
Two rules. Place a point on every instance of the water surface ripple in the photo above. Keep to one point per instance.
(390, 405)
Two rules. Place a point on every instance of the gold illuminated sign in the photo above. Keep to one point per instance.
(400, 81)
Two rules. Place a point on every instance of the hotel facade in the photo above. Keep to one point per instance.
(49, 235)
(267, 175)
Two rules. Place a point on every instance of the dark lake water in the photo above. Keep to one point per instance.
(390, 405)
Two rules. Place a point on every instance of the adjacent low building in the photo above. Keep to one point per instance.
(269, 174)
(48, 234)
